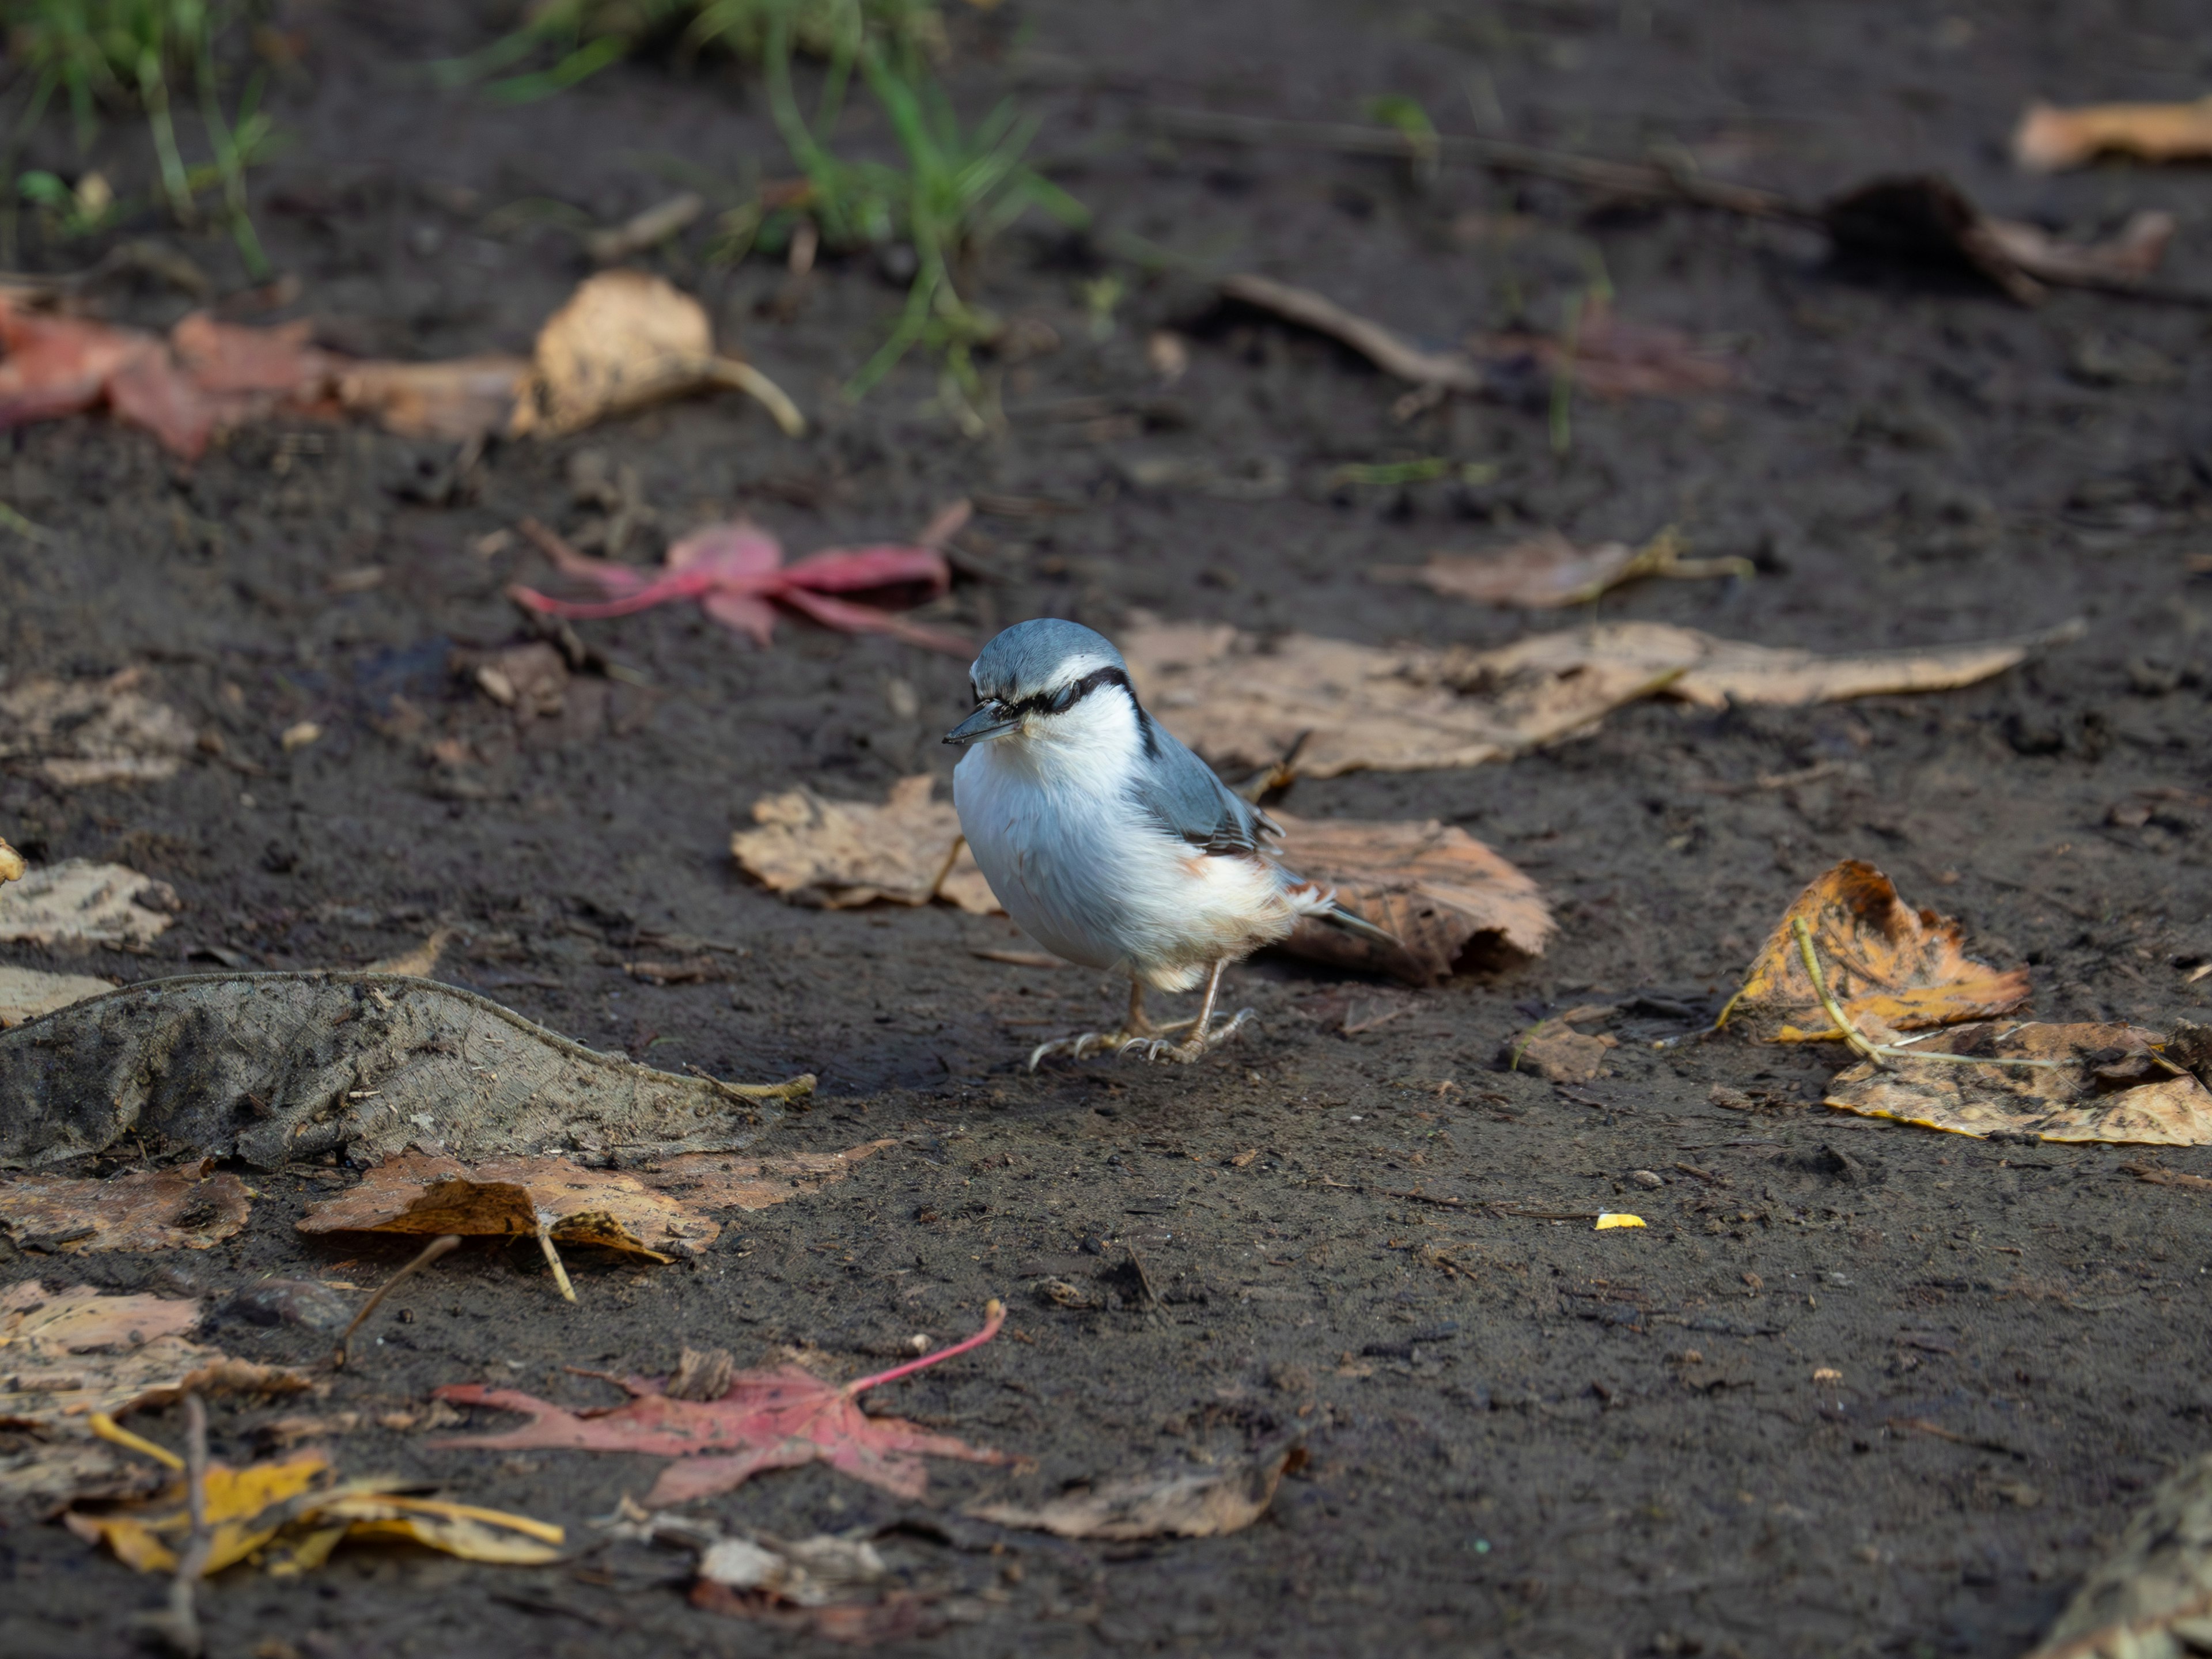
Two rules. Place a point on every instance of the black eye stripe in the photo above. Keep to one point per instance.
(1060, 701)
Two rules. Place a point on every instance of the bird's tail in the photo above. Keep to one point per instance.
(1310, 898)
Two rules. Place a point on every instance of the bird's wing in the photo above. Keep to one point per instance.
(1180, 792)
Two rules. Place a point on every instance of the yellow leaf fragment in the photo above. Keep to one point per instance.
(1613, 1219)
(245, 1507)
(1887, 964)
(11, 863)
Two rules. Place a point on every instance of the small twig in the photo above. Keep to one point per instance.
(1875, 1053)
(429, 1252)
(744, 377)
(1422, 1198)
(178, 1623)
(793, 1088)
(553, 1261)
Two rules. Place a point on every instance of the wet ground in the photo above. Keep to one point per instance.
(1526, 1438)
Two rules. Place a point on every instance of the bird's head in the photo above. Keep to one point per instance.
(1039, 679)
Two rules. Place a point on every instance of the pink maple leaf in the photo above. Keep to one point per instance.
(768, 1419)
(736, 573)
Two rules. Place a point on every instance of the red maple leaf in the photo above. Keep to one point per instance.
(768, 1419)
(736, 573)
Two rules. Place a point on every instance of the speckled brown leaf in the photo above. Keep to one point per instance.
(1885, 961)
(138, 1210)
(63, 1353)
(78, 732)
(1432, 885)
(77, 903)
(840, 854)
(2113, 1089)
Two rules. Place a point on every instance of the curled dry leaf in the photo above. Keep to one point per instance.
(64, 1353)
(1547, 571)
(2152, 1598)
(2112, 1087)
(138, 1210)
(289, 1515)
(626, 339)
(1316, 708)
(1180, 1503)
(276, 1066)
(2050, 139)
(735, 573)
(25, 993)
(768, 1419)
(840, 855)
(1883, 961)
(1925, 219)
(1433, 885)
(642, 1212)
(78, 902)
(92, 731)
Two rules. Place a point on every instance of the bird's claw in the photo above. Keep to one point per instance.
(1152, 1048)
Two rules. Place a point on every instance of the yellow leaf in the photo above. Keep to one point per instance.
(462, 1529)
(1610, 1219)
(246, 1507)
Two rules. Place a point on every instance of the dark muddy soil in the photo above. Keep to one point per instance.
(1526, 1437)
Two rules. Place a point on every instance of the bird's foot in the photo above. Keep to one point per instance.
(1154, 1045)
(1193, 1047)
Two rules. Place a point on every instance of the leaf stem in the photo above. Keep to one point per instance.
(995, 1315)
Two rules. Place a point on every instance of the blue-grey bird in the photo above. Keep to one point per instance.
(1108, 841)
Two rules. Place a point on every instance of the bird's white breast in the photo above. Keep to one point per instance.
(1088, 873)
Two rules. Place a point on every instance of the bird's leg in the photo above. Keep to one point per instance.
(1202, 1036)
(1137, 1025)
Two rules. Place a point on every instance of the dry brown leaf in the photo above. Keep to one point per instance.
(625, 339)
(64, 1353)
(138, 1210)
(1182, 1503)
(46, 1473)
(2152, 1598)
(1887, 964)
(642, 1212)
(2113, 1089)
(2050, 139)
(1432, 885)
(1610, 357)
(25, 993)
(11, 863)
(1556, 1052)
(1546, 571)
(78, 902)
(840, 855)
(89, 731)
(1331, 707)
(420, 962)
(1925, 219)
(459, 399)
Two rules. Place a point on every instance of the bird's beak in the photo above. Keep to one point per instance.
(989, 720)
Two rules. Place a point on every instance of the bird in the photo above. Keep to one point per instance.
(1112, 844)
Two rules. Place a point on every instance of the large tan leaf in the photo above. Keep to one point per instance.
(88, 732)
(64, 1353)
(1432, 885)
(642, 1212)
(1333, 706)
(840, 854)
(138, 1210)
(77, 902)
(1883, 961)
(2111, 1088)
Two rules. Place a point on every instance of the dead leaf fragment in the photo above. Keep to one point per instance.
(138, 1210)
(768, 1419)
(1925, 219)
(78, 902)
(459, 399)
(1181, 1503)
(1886, 964)
(1320, 706)
(1387, 350)
(1432, 885)
(1556, 1052)
(66, 1353)
(1610, 357)
(80, 732)
(11, 863)
(2095, 1097)
(842, 854)
(2153, 1595)
(25, 993)
(2050, 139)
(1546, 571)
(626, 339)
